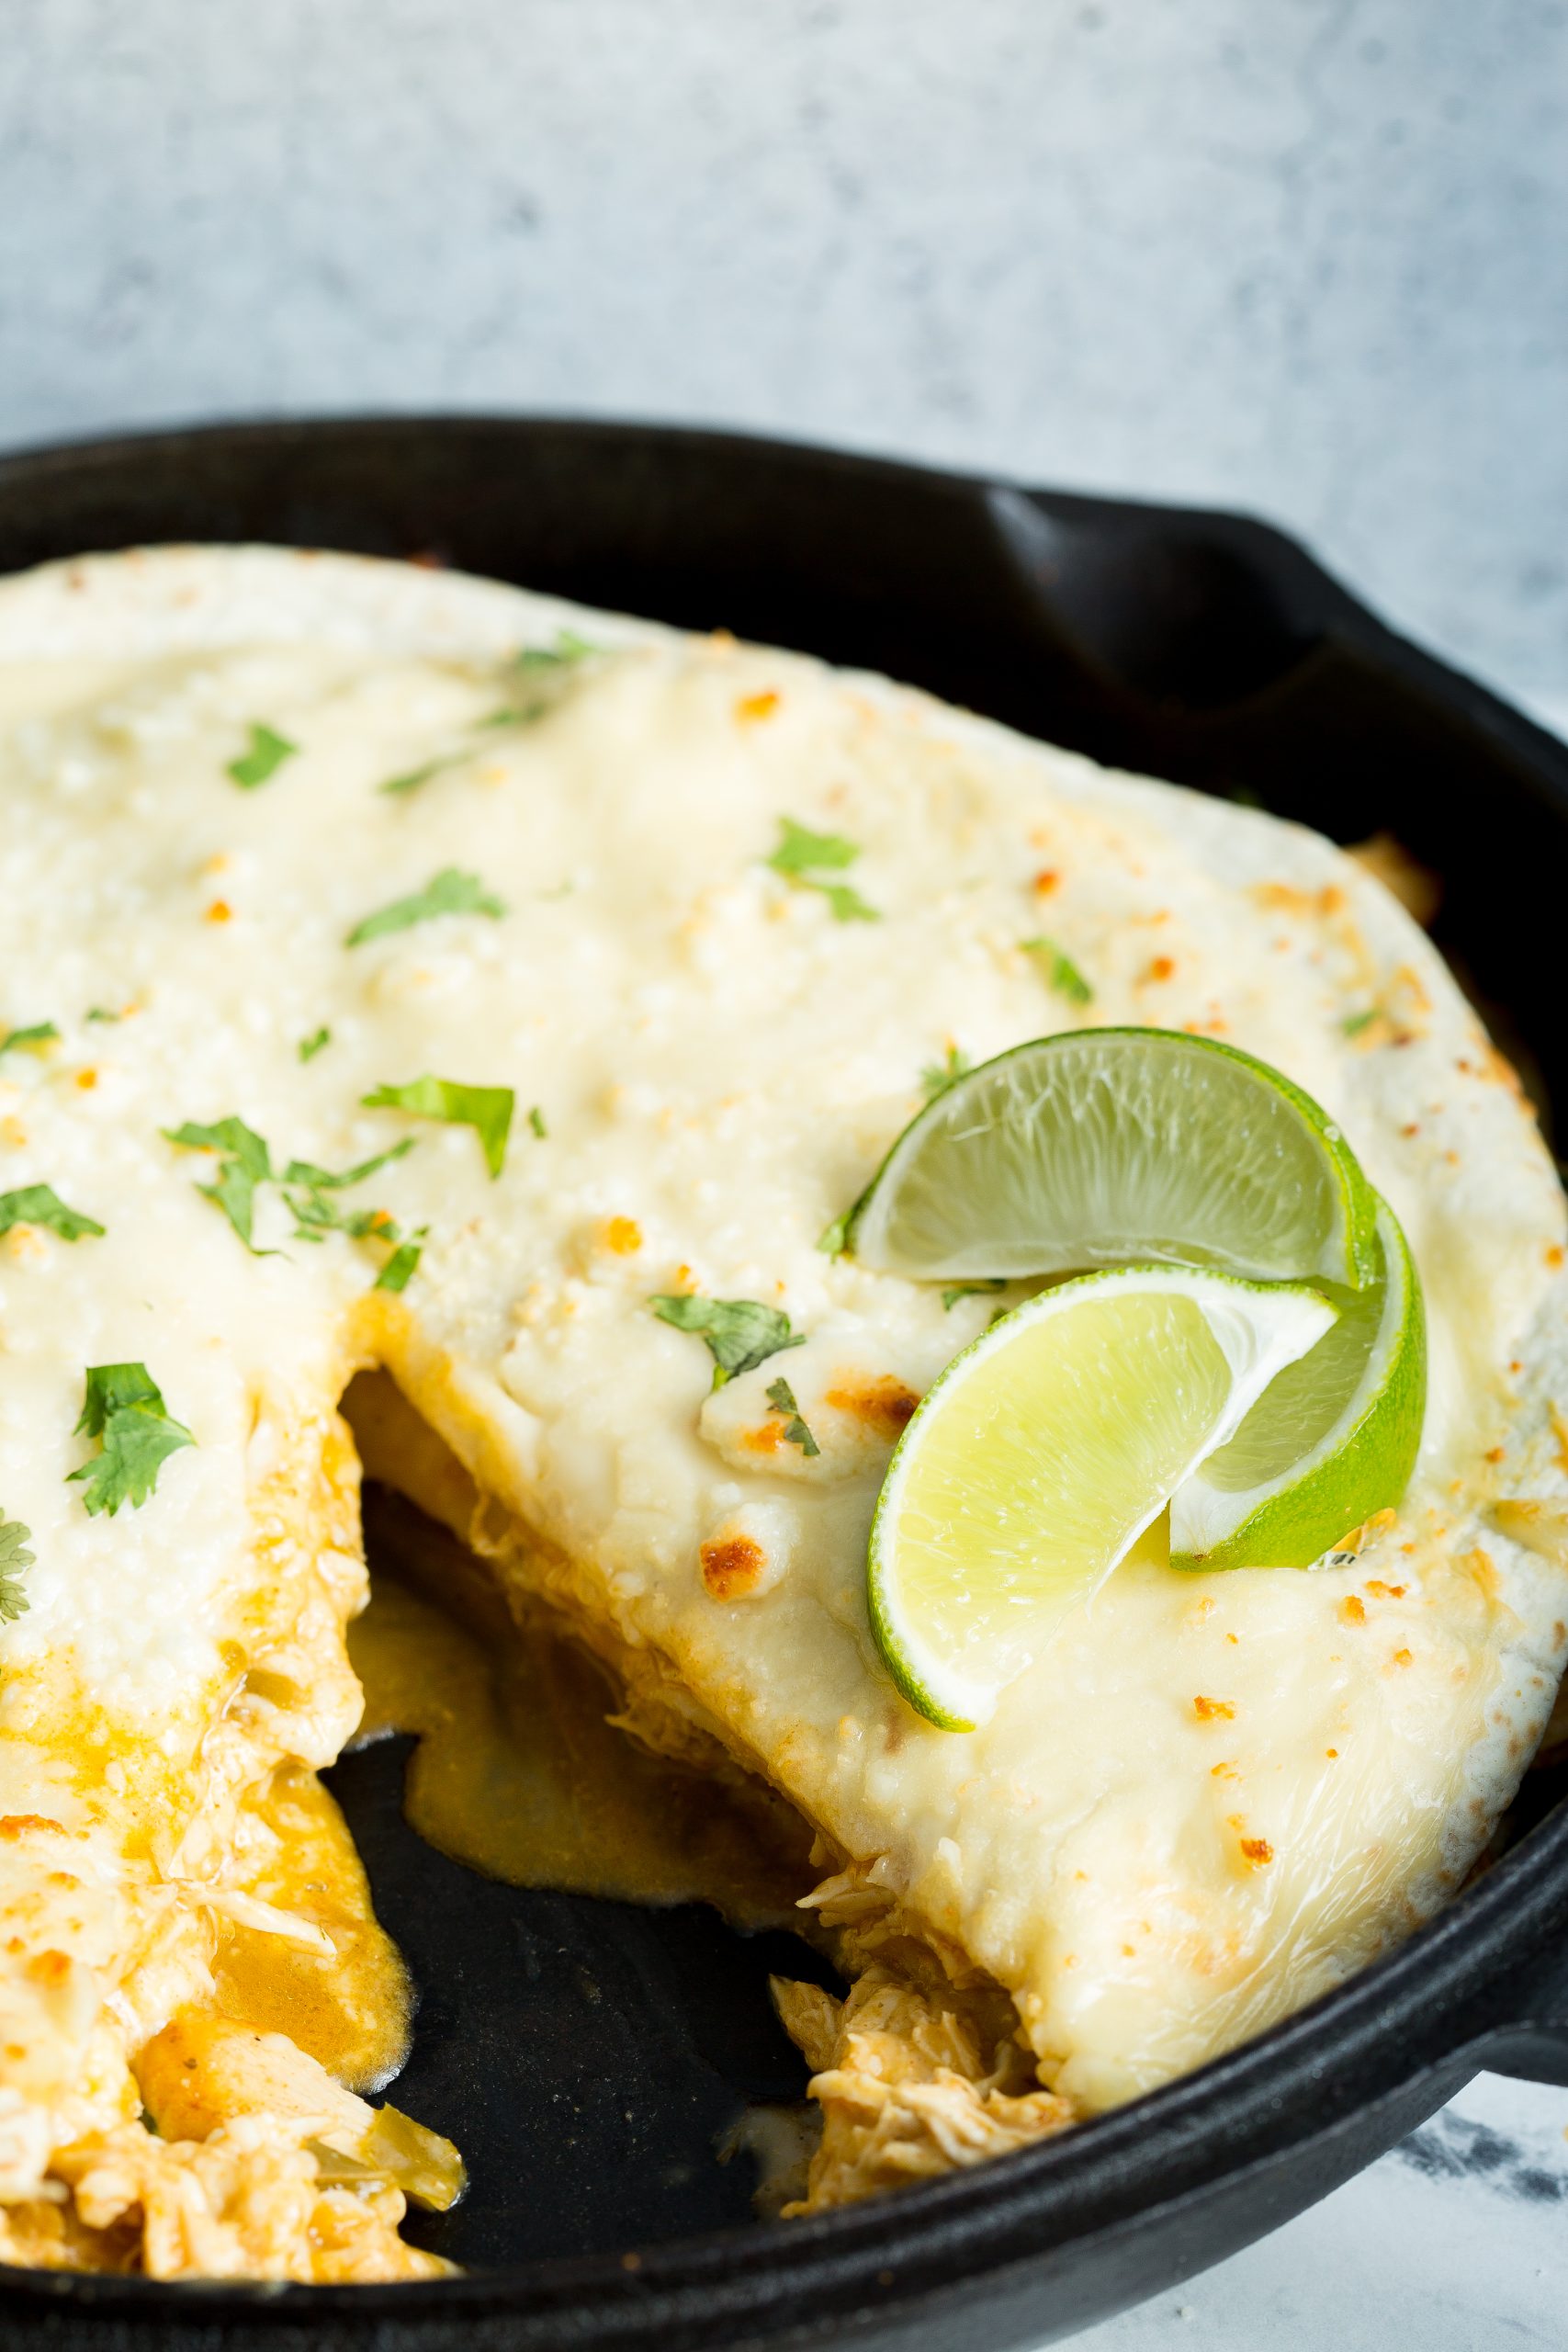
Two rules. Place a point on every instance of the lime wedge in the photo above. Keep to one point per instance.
(1332, 1439)
(1101, 1145)
(1045, 1449)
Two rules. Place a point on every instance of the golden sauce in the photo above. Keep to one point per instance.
(520, 1773)
(351, 2009)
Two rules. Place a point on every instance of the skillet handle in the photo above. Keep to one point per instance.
(1530, 2041)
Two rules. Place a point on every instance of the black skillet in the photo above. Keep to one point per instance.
(589, 2055)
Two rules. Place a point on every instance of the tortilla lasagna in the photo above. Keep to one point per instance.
(401, 974)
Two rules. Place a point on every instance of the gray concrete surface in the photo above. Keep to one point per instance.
(1308, 256)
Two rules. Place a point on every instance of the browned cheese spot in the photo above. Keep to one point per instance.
(732, 1565)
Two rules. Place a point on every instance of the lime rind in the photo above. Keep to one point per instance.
(1298, 1474)
(1007, 1571)
(1099, 1147)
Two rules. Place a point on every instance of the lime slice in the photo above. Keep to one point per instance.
(1104, 1145)
(1332, 1439)
(1043, 1453)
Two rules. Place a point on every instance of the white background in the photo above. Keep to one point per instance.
(1306, 256)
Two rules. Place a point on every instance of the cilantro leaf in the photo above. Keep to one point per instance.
(1353, 1024)
(536, 1121)
(311, 1045)
(939, 1076)
(42, 1205)
(42, 1033)
(102, 1012)
(246, 1163)
(447, 893)
(315, 1216)
(780, 1397)
(984, 1289)
(416, 776)
(834, 1239)
(740, 1333)
(263, 757)
(14, 1557)
(1061, 972)
(394, 1275)
(799, 850)
(847, 904)
(486, 1109)
(322, 1180)
(123, 1407)
(567, 648)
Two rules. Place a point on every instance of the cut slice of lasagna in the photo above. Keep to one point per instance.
(406, 973)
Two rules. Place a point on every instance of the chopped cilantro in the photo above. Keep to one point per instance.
(957, 1290)
(447, 893)
(1061, 972)
(262, 758)
(311, 1045)
(780, 1397)
(14, 1557)
(246, 1163)
(799, 850)
(536, 1121)
(395, 1274)
(740, 1333)
(486, 1109)
(322, 1180)
(42, 1033)
(124, 1408)
(42, 1205)
(936, 1078)
(102, 1012)
(416, 776)
(847, 904)
(567, 648)
(1356, 1022)
(834, 1239)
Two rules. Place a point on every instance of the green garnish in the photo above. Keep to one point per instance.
(1061, 972)
(124, 1408)
(486, 1109)
(1356, 1022)
(536, 1121)
(834, 1239)
(985, 1289)
(311, 1045)
(740, 1333)
(102, 1012)
(14, 1558)
(246, 1163)
(42, 1033)
(265, 755)
(780, 1397)
(799, 850)
(567, 648)
(322, 1180)
(395, 1274)
(416, 776)
(447, 893)
(42, 1205)
(939, 1076)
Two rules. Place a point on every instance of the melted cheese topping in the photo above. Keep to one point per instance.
(1208, 1799)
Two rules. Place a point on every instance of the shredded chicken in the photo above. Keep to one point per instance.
(920, 2069)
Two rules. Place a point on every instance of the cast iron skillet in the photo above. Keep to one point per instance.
(587, 2054)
